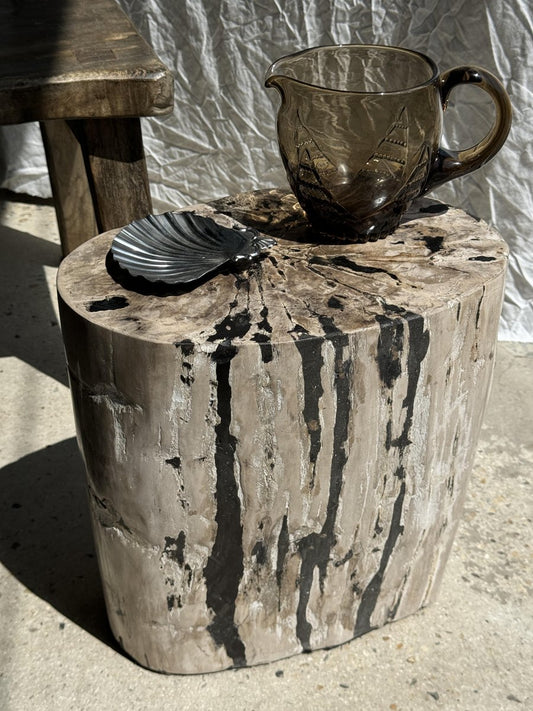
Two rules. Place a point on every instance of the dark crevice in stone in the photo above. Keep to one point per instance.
(174, 462)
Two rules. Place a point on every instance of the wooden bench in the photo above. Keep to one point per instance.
(81, 69)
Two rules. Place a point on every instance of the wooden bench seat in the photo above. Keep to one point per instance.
(81, 69)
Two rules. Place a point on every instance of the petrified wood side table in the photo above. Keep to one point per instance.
(277, 459)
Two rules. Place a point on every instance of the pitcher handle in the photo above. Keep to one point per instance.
(452, 164)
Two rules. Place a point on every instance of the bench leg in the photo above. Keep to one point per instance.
(98, 175)
(76, 218)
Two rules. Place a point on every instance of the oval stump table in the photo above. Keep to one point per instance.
(277, 458)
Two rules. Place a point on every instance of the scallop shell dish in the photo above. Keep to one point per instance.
(182, 247)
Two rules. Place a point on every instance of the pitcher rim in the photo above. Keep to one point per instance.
(432, 64)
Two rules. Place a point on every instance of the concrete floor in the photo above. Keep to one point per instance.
(473, 649)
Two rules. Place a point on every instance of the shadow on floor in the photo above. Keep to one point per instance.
(45, 534)
(28, 324)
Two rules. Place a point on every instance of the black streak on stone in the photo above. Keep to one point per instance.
(334, 303)
(174, 547)
(390, 346)
(259, 552)
(344, 560)
(434, 244)
(188, 568)
(340, 430)
(450, 482)
(310, 350)
(265, 346)
(187, 377)
(455, 445)
(315, 549)
(481, 258)
(264, 324)
(389, 350)
(283, 549)
(110, 303)
(341, 261)
(371, 593)
(418, 347)
(187, 349)
(233, 326)
(186, 346)
(224, 568)
(394, 609)
(478, 312)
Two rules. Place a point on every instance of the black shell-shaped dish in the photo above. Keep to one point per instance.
(181, 247)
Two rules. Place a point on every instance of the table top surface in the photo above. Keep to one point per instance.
(71, 49)
(436, 256)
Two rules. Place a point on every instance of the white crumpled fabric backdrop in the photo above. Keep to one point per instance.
(221, 137)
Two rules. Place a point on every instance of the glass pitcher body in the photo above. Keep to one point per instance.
(359, 131)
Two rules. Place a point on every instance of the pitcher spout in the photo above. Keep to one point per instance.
(276, 80)
(280, 75)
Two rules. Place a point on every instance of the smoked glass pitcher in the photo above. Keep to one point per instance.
(359, 131)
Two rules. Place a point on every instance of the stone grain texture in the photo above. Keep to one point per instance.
(277, 458)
